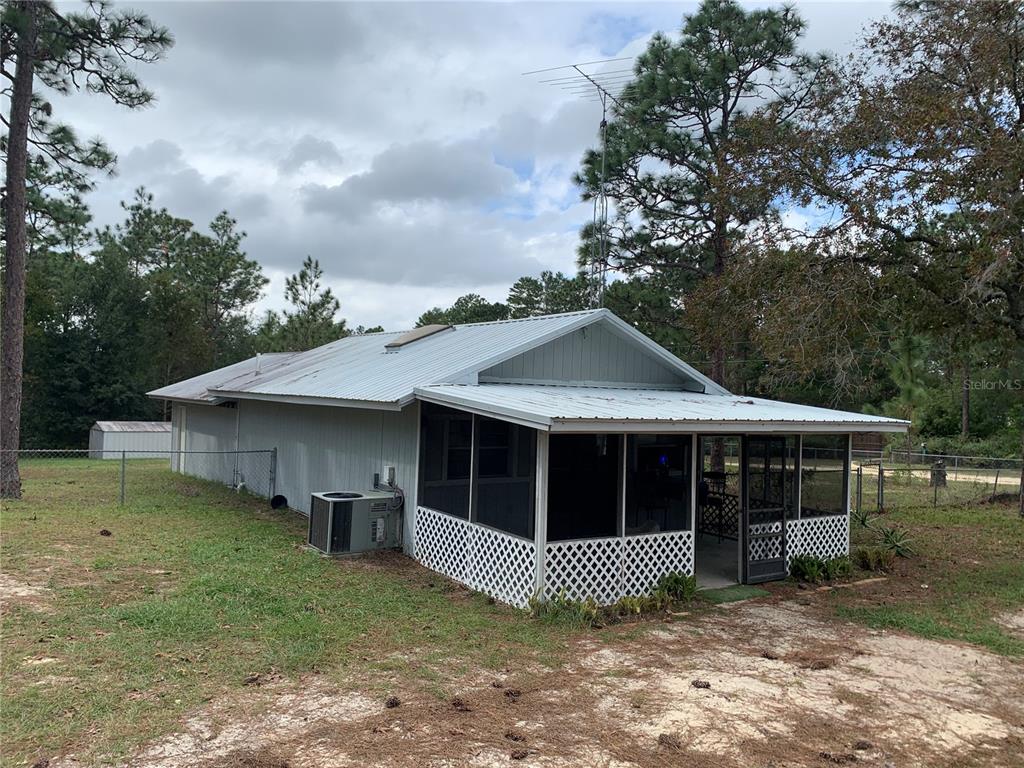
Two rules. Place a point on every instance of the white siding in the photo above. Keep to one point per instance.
(209, 429)
(592, 355)
(107, 445)
(328, 449)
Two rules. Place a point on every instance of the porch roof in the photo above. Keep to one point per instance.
(600, 409)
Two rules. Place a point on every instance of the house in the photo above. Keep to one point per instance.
(136, 439)
(564, 454)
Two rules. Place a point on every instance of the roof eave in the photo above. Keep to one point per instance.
(333, 402)
(712, 427)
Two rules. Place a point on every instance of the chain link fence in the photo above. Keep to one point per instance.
(112, 475)
(903, 478)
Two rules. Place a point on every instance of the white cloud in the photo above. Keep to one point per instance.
(398, 144)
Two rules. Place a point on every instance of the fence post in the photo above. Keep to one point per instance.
(273, 472)
(122, 476)
(881, 487)
(995, 486)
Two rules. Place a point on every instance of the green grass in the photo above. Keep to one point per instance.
(197, 588)
(732, 594)
(969, 571)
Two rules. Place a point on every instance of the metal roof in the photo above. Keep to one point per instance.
(200, 388)
(574, 409)
(132, 426)
(361, 371)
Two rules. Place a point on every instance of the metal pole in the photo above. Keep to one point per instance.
(122, 476)
(273, 472)
(995, 485)
(881, 487)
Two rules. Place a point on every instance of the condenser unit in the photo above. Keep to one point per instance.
(342, 522)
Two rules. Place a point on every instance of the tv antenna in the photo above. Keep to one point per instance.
(581, 81)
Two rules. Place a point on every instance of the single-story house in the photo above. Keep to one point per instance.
(563, 454)
(137, 439)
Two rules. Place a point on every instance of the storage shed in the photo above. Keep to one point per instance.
(139, 439)
(557, 455)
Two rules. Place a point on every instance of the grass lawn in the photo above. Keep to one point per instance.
(196, 589)
(114, 638)
(969, 571)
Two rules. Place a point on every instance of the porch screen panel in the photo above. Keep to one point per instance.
(505, 468)
(446, 448)
(584, 490)
(658, 488)
(824, 475)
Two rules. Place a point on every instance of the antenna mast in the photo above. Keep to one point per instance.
(599, 87)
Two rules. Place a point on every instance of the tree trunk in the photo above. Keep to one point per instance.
(965, 401)
(12, 326)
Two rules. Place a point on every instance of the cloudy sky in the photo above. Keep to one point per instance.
(398, 144)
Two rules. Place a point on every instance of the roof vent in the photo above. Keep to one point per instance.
(415, 335)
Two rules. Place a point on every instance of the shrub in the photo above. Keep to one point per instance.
(562, 610)
(838, 567)
(677, 586)
(874, 558)
(808, 568)
(813, 569)
(896, 540)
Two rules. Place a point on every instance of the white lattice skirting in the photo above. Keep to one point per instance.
(610, 568)
(825, 537)
(482, 558)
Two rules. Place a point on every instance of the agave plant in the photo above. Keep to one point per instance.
(897, 541)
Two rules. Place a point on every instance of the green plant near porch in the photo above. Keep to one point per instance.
(813, 569)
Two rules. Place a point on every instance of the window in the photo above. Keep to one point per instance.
(506, 465)
(824, 475)
(658, 472)
(446, 453)
(584, 491)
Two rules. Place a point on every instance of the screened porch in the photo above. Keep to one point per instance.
(517, 512)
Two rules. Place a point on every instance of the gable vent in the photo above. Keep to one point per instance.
(414, 335)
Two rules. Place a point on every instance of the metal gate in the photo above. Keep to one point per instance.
(769, 464)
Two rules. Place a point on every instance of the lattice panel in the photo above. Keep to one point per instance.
(585, 568)
(502, 566)
(441, 543)
(826, 537)
(607, 569)
(483, 559)
(645, 559)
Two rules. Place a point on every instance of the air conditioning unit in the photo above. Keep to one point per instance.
(343, 522)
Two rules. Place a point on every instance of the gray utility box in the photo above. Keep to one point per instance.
(342, 522)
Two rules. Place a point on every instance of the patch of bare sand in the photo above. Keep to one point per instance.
(14, 591)
(1012, 621)
(778, 675)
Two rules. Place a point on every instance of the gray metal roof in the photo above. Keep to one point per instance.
(361, 371)
(570, 409)
(132, 426)
(200, 388)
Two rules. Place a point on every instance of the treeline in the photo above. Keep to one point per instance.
(842, 232)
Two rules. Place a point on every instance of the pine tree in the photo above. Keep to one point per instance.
(92, 50)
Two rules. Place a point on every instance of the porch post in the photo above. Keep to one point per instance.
(799, 475)
(540, 525)
(693, 502)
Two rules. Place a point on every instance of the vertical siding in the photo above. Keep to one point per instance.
(209, 429)
(107, 445)
(592, 355)
(323, 448)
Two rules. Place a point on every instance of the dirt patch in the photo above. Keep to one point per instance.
(1013, 622)
(785, 687)
(16, 592)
